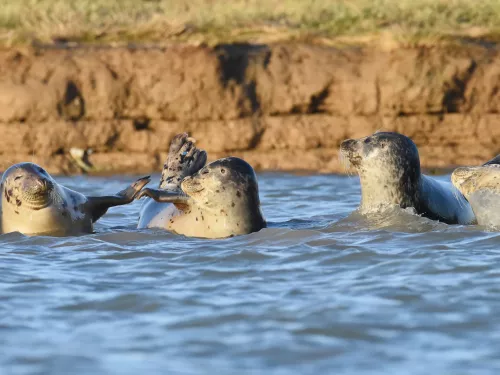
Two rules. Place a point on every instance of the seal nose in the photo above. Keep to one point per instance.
(347, 145)
(459, 175)
(461, 172)
(190, 185)
(186, 182)
(37, 185)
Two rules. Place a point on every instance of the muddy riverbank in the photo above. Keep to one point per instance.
(281, 107)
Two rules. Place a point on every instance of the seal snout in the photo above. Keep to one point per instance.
(191, 186)
(37, 186)
(36, 192)
(459, 175)
(347, 145)
(349, 149)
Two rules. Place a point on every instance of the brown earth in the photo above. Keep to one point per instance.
(281, 107)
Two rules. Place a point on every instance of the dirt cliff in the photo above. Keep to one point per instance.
(281, 107)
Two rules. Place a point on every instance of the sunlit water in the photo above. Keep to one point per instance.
(318, 292)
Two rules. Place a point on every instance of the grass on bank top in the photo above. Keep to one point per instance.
(219, 21)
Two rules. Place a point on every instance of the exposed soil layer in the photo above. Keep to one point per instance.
(281, 107)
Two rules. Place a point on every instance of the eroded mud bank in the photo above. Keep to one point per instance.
(281, 107)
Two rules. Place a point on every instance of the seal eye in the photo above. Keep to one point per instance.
(368, 140)
(222, 171)
(17, 178)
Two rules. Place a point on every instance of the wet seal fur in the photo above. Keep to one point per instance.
(214, 201)
(33, 203)
(388, 166)
(481, 186)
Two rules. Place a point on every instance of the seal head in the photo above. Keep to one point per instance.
(388, 165)
(481, 186)
(27, 186)
(227, 187)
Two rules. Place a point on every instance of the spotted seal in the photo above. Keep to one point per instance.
(481, 186)
(218, 200)
(388, 166)
(34, 203)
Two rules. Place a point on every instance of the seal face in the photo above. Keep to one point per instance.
(388, 166)
(34, 203)
(481, 186)
(228, 192)
(218, 200)
(28, 186)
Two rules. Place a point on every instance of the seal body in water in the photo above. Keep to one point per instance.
(388, 166)
(481, 186)
(218, 200)
(34, 203)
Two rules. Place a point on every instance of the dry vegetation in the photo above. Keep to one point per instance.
(215, 21)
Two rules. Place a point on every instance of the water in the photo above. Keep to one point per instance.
(319, 292)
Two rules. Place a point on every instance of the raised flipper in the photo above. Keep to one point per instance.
(178, 199)
(183, 160)
(98, 206)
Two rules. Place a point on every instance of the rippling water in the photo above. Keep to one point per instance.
(319, 291)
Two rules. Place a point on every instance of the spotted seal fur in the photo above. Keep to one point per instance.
(481, 187)
(388, 166)
(34, 203)
(218, 200)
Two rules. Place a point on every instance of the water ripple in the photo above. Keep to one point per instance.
(321, 290)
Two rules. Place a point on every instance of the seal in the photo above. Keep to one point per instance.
(481, 187)
(218, 200)
(33, 203)
(388, 166)
(495, 160)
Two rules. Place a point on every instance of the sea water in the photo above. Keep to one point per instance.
(322, 290)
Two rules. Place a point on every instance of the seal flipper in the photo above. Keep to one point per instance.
(97, 206)
(495, 160)
(183, 160)
(180, 200)
(444, 202)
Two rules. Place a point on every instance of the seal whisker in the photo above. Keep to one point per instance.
(9, 161)
(459, 199)
(346, 164)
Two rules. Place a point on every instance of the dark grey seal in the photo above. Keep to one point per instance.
(388, 166)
